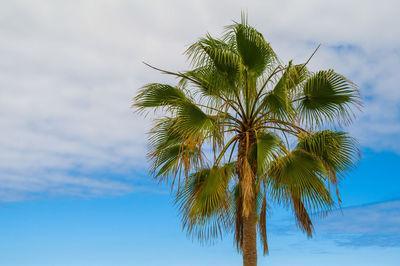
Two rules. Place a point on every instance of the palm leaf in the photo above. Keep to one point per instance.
(328, 97)
(209, 51)
(302, 217)
(191, 120)
(156, 95)
(337, 151)
(277, 103)
(205, 202)
(299, 174)
(266, 149)
(262, 225)
(211, 82)
(170, 153)
(255, 53)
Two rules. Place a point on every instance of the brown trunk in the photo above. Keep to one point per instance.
(249, 238)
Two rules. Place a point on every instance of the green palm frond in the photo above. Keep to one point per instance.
(191, 120)
(211, 82)
(266, 149)
(217, 66)
(256, 54)
(337, 151)
(156, 95)
(297, 180)
(277, 103)
(162, 134)
(300, 174)
(328, 97)
(278, 106)
(213, 51)
(205, 202)
(170, 153)
(290, 79)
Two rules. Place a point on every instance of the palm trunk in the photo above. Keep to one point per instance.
(249, 237)
(249, 240)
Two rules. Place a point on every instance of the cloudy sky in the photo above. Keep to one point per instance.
(72, 151)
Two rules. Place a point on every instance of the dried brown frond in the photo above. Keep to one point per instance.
(263, 225)
(303, 219)
(247, 188)
(238, 223)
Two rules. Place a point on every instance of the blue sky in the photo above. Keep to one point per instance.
(74, 189)
(142, 228)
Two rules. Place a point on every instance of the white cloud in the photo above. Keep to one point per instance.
(69, 70)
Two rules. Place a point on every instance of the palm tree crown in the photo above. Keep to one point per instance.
(241, 130)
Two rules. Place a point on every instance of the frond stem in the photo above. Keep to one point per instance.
(264, 86)
(287, 124)
(233, 139)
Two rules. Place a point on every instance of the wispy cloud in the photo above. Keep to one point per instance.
(370, 225)
(51, 184)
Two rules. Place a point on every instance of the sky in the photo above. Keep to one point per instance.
(74, 186)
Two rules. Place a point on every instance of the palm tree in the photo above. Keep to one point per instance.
(241, 130)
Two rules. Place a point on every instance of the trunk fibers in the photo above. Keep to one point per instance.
(246, 174)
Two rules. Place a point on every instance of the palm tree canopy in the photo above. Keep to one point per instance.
(239, 93)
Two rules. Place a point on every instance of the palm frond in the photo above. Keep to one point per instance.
(238, 212)
(205, 202)
(302, 217)
(265, 150)
(213, 52)
(277, 103)
(191, 120)
(157, 95)
(262, 225)
(171, 153)
(328, 97)
(290, 79)
(337, 151)
(256, 54)
(277, 106)
(211, 82)
(299, 174)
